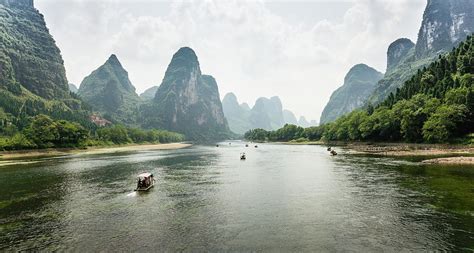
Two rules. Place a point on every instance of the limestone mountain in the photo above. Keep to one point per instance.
(445, 24)
(289, 117)
(73, 88)
(267, 113)
(359, 83)
(32, 73)
(245, 106)
(303, 122)
(109, 91)
(149, 93)
(397, 51)
(187, 101)
(237, 115)
(28, 53)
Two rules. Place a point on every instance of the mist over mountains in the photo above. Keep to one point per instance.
(267, 113)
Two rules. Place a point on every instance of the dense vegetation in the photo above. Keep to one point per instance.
(44, 132)
(187, 101)
(435, 105)
(440, 31)
(359, 83)
(110, 92)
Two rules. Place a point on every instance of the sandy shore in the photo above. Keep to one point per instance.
(451, 160)
(88, 151)
(406, 149)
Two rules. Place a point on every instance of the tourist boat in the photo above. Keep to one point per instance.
(242, 156)
(333, 152)
(145, 181)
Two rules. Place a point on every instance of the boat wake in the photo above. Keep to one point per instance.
(132, 194)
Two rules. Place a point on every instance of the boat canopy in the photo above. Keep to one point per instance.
(145, 175)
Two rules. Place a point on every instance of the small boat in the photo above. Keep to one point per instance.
(145, 181)
(333, 152)
(217, 145)
(256, 146)
(329, 149)
(242, 156)
(246, 145)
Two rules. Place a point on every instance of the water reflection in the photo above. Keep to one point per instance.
(285, 198)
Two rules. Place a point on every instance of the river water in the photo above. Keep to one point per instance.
(282, 198)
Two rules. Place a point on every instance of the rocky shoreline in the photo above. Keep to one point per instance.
(8, 155)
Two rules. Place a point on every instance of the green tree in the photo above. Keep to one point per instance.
(444, 123)
(42, 131)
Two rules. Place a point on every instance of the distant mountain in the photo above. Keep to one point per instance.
(72, 88)
(289, 117)
(187, 101)
(149, 93)
(110, 92)
(237, 115)
(32, 75)
(267, 113)
(245, 106)
(303, 122)
(445, 23)
(359, 83)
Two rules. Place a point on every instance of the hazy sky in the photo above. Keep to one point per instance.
(297, 50)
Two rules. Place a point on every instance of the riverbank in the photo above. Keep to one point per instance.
(452, 154)
(8, 155)
(410, 149)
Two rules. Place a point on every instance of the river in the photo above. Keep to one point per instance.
(282, 198)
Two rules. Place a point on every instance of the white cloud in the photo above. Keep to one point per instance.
(249, 48)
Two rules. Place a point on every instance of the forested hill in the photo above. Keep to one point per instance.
(434, 105)
(109, 90)
(32, 74)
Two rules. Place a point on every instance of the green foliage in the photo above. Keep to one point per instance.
(47, 133)
(117, 134)
(435, 105)
(359, 83)
(121, 135)
(442, 125)
(257, 134)
(28, 54)
(187, 102)
(109, 91)
(44, 132)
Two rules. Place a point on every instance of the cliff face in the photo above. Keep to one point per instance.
(29, 56)
(187, 101)
(237, 115)
(32, 74)
(397, 51)
(110, 92)
(359, 83)
(267, 113)
(445, 24)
